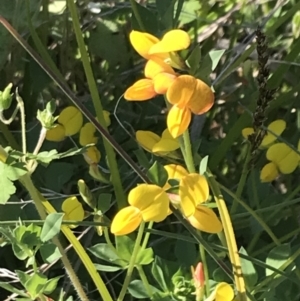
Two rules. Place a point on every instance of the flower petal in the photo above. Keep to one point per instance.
(285, 158)
(165, 146)
(147, 139)
(173, 40)
(73, 209)
(72, 119)
(224, 292)
(175, 171)
(142, 42)
(92, 155)
(87, 133)
(247, 132)
(269, 172)
(277, 127)
(187, 91)
(126, 221)
(56, 134)
(141, 90)
(156, 66)
(152, 201)
(162, 82)
(178, 121)
(205, 219)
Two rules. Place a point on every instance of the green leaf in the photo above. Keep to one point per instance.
(188, 11)
(15, 171)
(249, 272)
(215, 56)
(158, 274)
(51, 226)
(12, 289)
(104, 202)
(296, 25)
(142, 158)
(50, 252)
(145, 256)
(157, 174)
(23, 277)
(35, 284)
(148, 19)
(165, 11)
(124, 246)
(20, 252)
(137, 289)
(104, 252)
(7, 187)
(51, 285)
(107, 268)
(203, 165)
(31, 237)
(194, 59)
(277, 257)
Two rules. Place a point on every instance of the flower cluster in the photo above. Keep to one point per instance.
(148, 202)
(70, 122)
(283, 159)
(185, 93)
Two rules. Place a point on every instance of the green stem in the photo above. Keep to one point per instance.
(132, 262)
(144, 280)
(9, 137)
(230, 237)
(188, 152)
(147, 236)
(23, 122)
(205, 268)
(111, 157)
(137, 15)
(28, 184)
(242, 181)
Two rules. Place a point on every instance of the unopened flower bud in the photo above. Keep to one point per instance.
(6, 98)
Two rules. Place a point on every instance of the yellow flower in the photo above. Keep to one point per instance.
(92, 155)
(71, 119)
(187, 95)
(86, 135)
(147, 203)
(193, 190)
(159, 77)
(284, 157)
(222, 292)
(269, 172)
(159, 74)
(73, 210)
(150, 47)
(156, 144)
(69, 123)
(276, 127)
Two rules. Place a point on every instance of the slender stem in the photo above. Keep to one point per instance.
(9, 137)
(242, 181)
(230, 237)
(111, 157)
(137, 15)
(144, 280)
(147, 236)
(11, 119)
(189, 160)
(205, 268)
(23, 122)
(27, 182)
(132, 262)
(33, 163)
